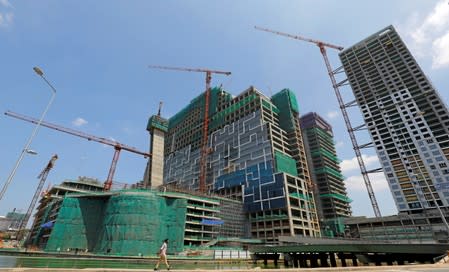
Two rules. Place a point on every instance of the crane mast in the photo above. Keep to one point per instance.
(117, 146)
(355, 145)
(204, 150)
(43, 177)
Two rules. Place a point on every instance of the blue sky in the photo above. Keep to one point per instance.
(96, 54)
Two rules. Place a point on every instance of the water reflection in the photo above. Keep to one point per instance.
(44, 262)
(7, 261)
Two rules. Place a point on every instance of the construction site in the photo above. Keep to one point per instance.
(243, 171)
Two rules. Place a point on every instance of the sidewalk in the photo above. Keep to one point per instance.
(421, 268)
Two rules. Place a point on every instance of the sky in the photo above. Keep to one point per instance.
(96, 54)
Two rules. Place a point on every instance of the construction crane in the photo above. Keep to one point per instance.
(43, 177)
(204, 150)
(117, 146)
(331, 73)
(159, 110)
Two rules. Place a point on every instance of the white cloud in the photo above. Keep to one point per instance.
(5, 3)
(440, 51)
(332, 114)
(356, 183)
(425, 31)
(339, 144)
(352, 164)
(6, 19)
(78, 122)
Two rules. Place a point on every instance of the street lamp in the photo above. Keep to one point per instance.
(31, 151)
(36, 128)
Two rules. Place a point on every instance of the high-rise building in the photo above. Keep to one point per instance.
(406, 118)
(330, 191)
(255, 155)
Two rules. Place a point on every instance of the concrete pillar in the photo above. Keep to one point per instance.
(295, 260)
(323, 260)
(342, 259)
(302, 260)
(354, 260)
(377, 260)
(287, 257)
(389, 259)
(313, 260)
(332, 258)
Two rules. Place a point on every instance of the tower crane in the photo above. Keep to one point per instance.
(43, 177)
(202, 178)
(331, 73)
(117, 146)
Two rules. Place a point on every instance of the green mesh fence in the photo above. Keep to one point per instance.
(199, 102)
(45, 219)
(333, 227)
(285, 101)
(329, 171)
(268, 105)
(76, 226)
(285, 164)
(158, 122)
(291, 99)
(323, 152)
(337, 196)
(322, 133)
(220, 117)
(129, 223)
(299, 195)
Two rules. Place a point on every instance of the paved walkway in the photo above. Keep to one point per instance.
(395, 268)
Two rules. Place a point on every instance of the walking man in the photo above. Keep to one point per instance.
(163, 255)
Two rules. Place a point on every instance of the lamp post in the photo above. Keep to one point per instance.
(36, 128)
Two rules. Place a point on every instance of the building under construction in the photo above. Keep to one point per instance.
(77, 216)
(255, 154)
(409, 125)
(50, 203)
(330, 192)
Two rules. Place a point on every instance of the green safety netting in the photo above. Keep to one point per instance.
(220, 117)
(330, 171)
(285, 100)
(323, 152)
(128, 223)
(198, 102)
(45, 219)
(156, 121)
(285, 163)
(341, 197)
(334, 226)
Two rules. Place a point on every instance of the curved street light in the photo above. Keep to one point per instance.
(36, 128)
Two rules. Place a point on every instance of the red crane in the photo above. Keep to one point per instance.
(356, 147)
(204, 150)
(117, 146)
(43, 177)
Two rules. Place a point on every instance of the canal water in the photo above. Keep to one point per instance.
(45, 262)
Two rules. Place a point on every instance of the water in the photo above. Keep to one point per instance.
(7, 261)
(50, 262)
